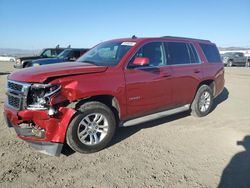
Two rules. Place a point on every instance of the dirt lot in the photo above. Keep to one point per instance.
(176, 151)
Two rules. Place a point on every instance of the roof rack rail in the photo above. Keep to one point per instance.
(185, 38)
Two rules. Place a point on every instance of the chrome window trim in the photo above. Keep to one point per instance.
(165, 56)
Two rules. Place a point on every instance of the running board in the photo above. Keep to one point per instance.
(154, 116)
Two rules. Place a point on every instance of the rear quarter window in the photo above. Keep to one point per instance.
(211, 53)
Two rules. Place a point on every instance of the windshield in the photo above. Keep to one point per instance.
(64, 54)
(107, 53)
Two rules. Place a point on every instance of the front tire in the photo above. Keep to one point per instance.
(92, 128)
(202, 102)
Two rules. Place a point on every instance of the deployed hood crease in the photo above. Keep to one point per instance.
(42, 73)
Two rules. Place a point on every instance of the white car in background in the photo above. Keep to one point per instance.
(7, 58)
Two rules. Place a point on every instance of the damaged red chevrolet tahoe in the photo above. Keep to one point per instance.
(116, 83)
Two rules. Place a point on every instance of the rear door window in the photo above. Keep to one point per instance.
(73, 55)
(211, 53)
(53, 53)
(177, 53)
(58, 51)
(76, 54)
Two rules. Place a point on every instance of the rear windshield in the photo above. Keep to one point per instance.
(211, 53)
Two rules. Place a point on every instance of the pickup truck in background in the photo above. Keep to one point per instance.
(69, 54)
(235, 59)
(23, 62)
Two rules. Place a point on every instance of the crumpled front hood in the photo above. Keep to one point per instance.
(41, 73)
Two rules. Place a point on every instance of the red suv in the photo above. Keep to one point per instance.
(117, 82)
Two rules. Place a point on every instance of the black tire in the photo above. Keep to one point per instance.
(87, 109)
(195, 107)
(229, 63)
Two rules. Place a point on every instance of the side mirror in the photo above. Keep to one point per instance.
(141, 61)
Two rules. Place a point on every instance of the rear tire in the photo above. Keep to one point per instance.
(202, 102)
(92, 128)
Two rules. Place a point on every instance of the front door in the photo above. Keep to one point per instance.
(148, 88)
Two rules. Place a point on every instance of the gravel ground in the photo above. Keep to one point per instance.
(176, 151)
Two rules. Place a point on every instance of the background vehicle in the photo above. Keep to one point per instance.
(22, 62)
(7, 58)
(234, 59)
(69, 54)
(116, 83)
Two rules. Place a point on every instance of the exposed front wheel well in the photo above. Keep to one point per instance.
(108, 100)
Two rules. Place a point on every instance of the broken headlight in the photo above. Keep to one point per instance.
(39, 96)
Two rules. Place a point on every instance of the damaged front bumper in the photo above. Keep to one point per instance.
(43, 132)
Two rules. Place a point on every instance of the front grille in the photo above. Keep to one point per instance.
(14, 101)
(17, 94)
(15, 86)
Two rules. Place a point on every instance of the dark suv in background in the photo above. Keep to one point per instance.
(22, 62)
(235, 59)
(69, 54)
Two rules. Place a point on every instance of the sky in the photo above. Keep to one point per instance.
(36, 24)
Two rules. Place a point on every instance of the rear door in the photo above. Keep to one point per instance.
(149, 88)
(186, 70)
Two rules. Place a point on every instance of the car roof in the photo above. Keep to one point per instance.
(136, 39)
